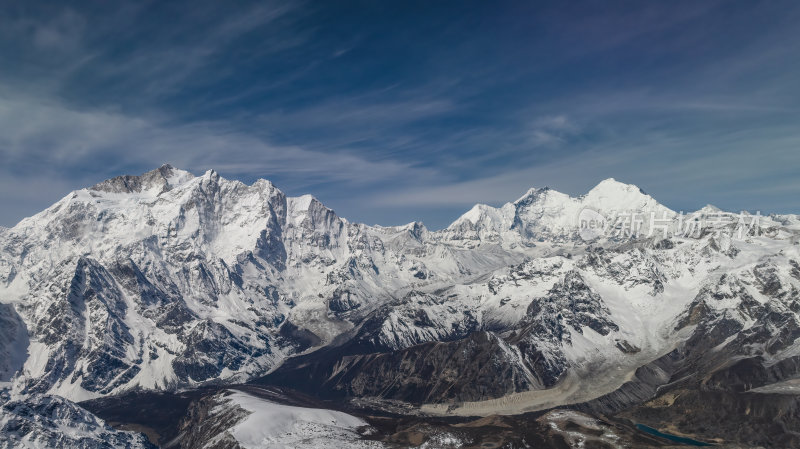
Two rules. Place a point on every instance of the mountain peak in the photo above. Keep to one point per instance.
(307, 208)
(611, 189)
(532, 194)
(477, 214)
(613, 195)
(163, 178)
(305, 202)
(611, 185)
(710, 209)
(211, 174)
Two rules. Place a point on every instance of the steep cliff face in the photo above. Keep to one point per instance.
(13, 343)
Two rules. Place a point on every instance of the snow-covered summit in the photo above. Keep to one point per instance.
(611, 194)
(154, 182)
(547, 213)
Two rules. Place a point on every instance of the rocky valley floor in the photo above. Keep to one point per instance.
(219, 419)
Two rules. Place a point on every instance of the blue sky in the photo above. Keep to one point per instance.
(391, 112)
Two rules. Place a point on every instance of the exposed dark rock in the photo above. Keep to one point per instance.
(569, 303)
(208, 422)
(14, 342)
(480, 366)
(210, 348)
(135, 184)
(54, 422)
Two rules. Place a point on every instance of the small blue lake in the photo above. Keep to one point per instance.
(675, 438)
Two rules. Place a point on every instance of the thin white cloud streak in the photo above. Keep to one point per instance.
(552, 130)
(41, 141)
(162, 63)
(731, 171)
(62, 33)
(56, 135)
(352, 111)
(568, 175)
(165, 67)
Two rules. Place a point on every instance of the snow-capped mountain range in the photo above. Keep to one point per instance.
(169, 280)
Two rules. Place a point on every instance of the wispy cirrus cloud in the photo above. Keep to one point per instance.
(551, 130)
(49, 137)
(392, 113)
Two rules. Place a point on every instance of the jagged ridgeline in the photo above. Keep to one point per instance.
(170, 281)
